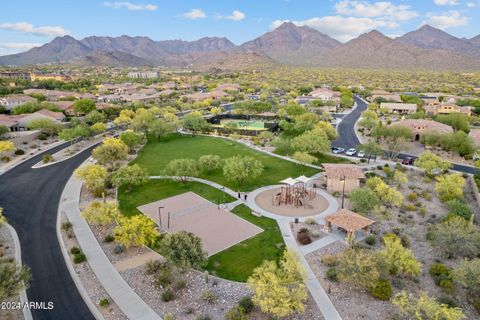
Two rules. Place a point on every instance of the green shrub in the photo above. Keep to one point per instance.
(459, 208)
(19, 152)
(67, 225)
(422, 212)
(236, 313)
(412, 196)
(168, 317)
(118, 249)
(329, 260)
(209, 296)
(163, 277)
(47, 158)
(410, 207)
(371, 239)
(167, 295)
(381, 289)
(108, 238)
(331, 274)
(310, 221)
(449, 301)
(79, 258)
(5, 158)
(104, 303)
(42, 136)
(203, 317)
(247, 304)
(154, 266)
(75, 250)
(181, 284)
(405, 240)
(442, 276)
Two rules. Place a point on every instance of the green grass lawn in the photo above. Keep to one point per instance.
(156, 155)
(238, 262)
(155, 190)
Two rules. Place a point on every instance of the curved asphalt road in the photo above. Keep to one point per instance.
(348, 139)
(30, 200)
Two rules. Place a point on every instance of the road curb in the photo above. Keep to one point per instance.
(27, 313)
(76, 279)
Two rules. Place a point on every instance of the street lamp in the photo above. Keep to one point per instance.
(160, 217)
(343, 190)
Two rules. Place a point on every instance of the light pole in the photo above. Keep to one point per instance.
(343, 190)
(223, 193)
(160, 217)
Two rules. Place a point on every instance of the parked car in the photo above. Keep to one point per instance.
(361, 154)
(338, 150)
(408, 161)
(351, 152)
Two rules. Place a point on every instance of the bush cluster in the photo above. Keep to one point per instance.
(442, 276)
(303, 236)
(381, 289)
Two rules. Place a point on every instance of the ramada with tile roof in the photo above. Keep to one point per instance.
(348, 221)
(421, 126)
(339, 176)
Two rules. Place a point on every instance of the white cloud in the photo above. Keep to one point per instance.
(341, 28)
(235, 16)
(15, 47)
(194, 14)
(131, 6)
(25, 27)
(446, 20)
(446, 2)
(471, 4)
(381, 9)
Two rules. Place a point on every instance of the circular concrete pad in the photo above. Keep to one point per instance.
(316, 205)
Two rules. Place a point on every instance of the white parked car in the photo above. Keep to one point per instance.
(338, 150)
(361, 154)
(351, 152)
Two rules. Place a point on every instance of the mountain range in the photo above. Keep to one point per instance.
(425, 48)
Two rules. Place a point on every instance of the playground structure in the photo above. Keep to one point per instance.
(295, 192)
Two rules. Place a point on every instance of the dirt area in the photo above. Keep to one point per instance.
(412, 225)
(218, 228)
(313, 207)
(7, 251)
(93, 287)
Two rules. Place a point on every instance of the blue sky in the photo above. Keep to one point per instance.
(27, 23)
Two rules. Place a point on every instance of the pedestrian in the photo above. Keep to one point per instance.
(239, 196)
(245, 197)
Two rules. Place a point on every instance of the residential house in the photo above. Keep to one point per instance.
(324, 94)
(474, 134)
(200, 96)
(11, 101)
(399, 108)
(65, 106)
(20, 122)
(144, 74)
(340, 177)
(443, 108)
(422, 126)
(16, 75)
(228, 87)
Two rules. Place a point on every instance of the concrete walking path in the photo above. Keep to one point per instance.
(324, 303)
(127, 300)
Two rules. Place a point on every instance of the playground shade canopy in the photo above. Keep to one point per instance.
(289, 181)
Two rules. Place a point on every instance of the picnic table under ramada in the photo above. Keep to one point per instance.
(218, 229)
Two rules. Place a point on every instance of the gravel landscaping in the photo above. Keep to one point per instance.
(7, 251)
(412, 226)
(93, 287)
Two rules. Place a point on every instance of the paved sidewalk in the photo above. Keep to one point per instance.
(123, 295)
(318, 293)
(314, 246)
